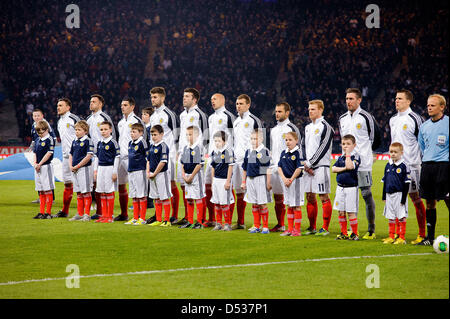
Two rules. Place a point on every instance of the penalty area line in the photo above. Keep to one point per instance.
(150, 272)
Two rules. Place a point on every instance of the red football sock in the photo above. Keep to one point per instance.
(290, 218)
(264, 212)
(123, 200)
(241, 209)
(298, 219)
(311, 210)
(392, 228)
(397, 227)
(42, 200)
(175, 201)
(256, 216)
(80, 204)
(327, 211)
(226, 214)
(280, 209)
(104, 203)
(166, 206)
(135, 208)
(49, 202)
(111, 197)
(186, 213)
(354, 225)
(190, 206)
(343, 223)
(402, 229)
(67, 197)
(201, 210)
(158, 209)
(421, 217)
(87, 203)
(218, 209)
(142, 207)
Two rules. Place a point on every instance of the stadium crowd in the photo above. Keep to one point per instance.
(232, 46)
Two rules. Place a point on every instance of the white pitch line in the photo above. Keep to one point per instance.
(149, 272)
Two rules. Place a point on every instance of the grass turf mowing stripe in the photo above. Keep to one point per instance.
(149, 272)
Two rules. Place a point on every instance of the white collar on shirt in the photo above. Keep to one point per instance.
(396, 163)
(138, 140)
(158, 143)
(291, 151)
(286, 121)
(406, 112)
(106, 140)
(245, 114)
(83, 138)
(220, 109)
(45, 137)
(317, 120)
(259, 148)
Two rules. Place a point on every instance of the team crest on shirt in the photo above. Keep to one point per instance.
(316, 131)
(284, 136)
(82, 144)
(358, 126)
(161, 120)
(107, 147)
(220, 121)
(129, 125)
(398, 170)
(246, 124)
(405, 127)
(43, 144)
(136, 147)
(98, 124)
(67, 125)
(293, 157)
(259, 155)
(156, 150)
(222, 156)
(191, 119)
(193, 153)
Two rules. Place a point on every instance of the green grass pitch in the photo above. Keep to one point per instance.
(121, 261)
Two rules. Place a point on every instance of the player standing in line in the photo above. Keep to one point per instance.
(256, 181)
(243, 127)
(94, 120)
(277, 146)
(137, 176)
(124, 127)
(44, 178)
(158, 174)
(396, 181)
(346, 200)
(220, 120)
(191, 116)
(106, 164)
(38, 115)
(290, 170)
(66, 130)
(362, 126)
(318, 143)
(222, 161)
(145, 117)
(434, 144)
(169, 121)
(405, 130)
(192, 161)
(80, 163)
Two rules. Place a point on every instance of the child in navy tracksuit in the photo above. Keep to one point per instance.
(396, 181)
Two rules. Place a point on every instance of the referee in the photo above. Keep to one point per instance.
(434, 144)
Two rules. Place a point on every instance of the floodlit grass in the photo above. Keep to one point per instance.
(39, 249)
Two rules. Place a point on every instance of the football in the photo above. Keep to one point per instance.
(440, 244)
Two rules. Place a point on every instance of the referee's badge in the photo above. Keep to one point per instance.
(293, 157)
(405, 127)
(398, 170)
(358, 126)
